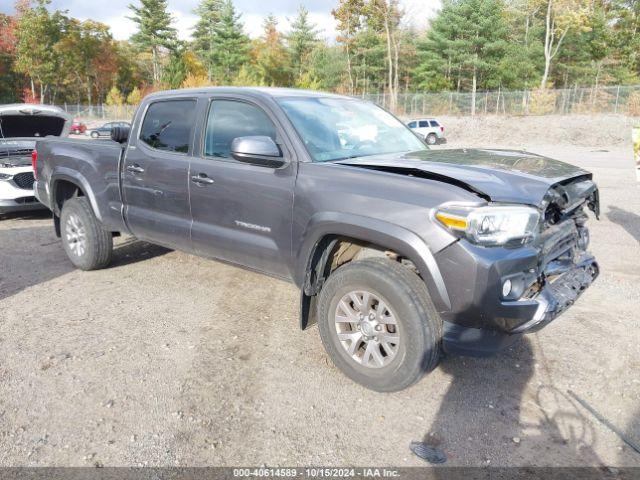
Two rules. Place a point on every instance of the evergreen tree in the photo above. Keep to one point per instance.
(464, 46)
(327, 67)
(625, 23)
(301, 40)
(208, 12)
(230, 44)
(154, 30)
(369, 55)
(220, 41)
(176, 70)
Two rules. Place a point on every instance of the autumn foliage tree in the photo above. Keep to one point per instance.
(9, 79)
(270, 56)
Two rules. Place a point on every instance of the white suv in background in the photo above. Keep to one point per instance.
(20, 127)
(428, 128)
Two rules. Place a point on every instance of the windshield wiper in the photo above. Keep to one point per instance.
(344, 158)
(351, 157)
(362, 155)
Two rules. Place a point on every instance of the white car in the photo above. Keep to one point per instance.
(428, 128)
(20, 126)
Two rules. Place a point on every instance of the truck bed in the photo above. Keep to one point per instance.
(93, 165)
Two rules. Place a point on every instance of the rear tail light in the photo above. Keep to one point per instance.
(442, 129)
(34, 163)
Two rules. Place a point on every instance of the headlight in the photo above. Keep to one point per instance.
(491, 225)
(5, 176)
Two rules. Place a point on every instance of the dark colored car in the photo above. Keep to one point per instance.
(399, 252)
(78, 128)
(106, 129)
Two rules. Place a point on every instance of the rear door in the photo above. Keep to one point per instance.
(423, 127)
(241, 212)
(106, 129)
(156, 174)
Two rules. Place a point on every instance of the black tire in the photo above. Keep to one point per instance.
(98, 242)
(431, 139)
(95, 134)
(420, 326)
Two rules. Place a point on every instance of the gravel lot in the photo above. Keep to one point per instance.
(167, 359)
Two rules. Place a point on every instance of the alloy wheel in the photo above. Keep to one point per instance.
(367, 329)
(76, 235)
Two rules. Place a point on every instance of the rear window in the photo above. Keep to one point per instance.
(168, 125)
(434, 123)
(424, 124)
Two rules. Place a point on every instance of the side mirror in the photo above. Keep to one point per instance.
(120, 134)
(258, 150)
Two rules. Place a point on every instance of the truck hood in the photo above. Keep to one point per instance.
(33, 121)
(498, 175)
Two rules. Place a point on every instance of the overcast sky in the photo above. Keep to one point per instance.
(114, 13)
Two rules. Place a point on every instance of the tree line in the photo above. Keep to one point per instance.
(48, 56)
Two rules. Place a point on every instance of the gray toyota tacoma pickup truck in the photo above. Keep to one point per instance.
(400, 252)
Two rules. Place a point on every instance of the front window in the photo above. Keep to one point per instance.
(229, 119)
(339, 128)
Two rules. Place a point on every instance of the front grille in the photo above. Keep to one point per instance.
(24, 180)
(557, 239)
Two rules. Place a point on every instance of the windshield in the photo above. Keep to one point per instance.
(339, 128)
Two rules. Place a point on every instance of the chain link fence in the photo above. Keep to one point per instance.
(96, 113)
(597, 100)
(603, 100)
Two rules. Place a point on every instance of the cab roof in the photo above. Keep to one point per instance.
(268, 92)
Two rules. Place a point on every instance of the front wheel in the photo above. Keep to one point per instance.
(87, 244)
(432, 139)
(95, 134)
(379, 325)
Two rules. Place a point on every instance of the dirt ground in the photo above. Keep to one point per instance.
(167, 359)
(588, 131)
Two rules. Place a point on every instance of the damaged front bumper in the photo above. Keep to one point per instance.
(560, 293)
(482, 319)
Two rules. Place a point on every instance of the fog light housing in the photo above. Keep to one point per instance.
(506, 288)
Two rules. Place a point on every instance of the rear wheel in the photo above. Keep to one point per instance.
(87, 244)
(95, 134)
(432, 139)
(379, 325)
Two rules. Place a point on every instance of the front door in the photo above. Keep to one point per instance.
(156, 174)
(241, 212)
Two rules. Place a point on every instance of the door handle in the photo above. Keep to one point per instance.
(135, 168)
(202, 179)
